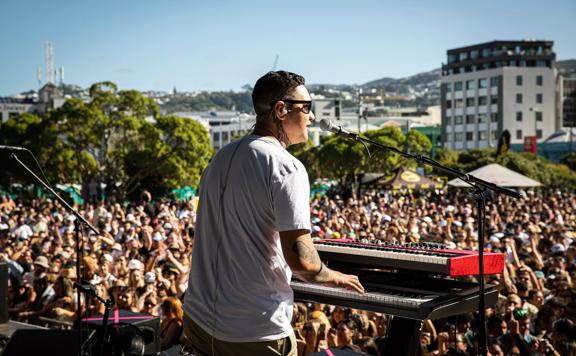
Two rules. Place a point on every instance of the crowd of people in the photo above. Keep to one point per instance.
(141, 258)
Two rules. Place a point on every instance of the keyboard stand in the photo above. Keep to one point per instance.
(403, 337)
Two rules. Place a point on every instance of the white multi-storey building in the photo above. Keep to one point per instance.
(496, 86)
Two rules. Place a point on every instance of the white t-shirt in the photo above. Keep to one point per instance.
(239, 284)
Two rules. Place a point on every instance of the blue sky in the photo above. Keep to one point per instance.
(224, 44)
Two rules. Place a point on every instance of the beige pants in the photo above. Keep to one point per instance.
(205, 345)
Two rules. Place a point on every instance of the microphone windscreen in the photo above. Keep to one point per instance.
(325, 124)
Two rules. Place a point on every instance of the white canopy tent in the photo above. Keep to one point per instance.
(499, 175)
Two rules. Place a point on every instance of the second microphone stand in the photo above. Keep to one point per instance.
(480, 190)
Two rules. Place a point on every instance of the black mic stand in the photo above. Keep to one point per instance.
(77, 221)
(480, 190)
(90, 291)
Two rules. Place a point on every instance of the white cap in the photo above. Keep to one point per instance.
(386, 217)
(158, 236)
(134, 264)
(168, 226)
(130, 218)
(457, 223)
(107, 257)
(427, 219)
(557, 248)
(150, 277)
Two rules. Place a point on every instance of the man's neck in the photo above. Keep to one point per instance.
(267, 131)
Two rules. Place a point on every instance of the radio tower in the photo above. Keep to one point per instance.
(49, 58)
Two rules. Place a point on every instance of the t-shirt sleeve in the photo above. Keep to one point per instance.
(292, 202)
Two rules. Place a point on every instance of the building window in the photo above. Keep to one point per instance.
(481, 118)
(539, 98)
(518, 134)
(518, 115)
(470, 102)
(538, 115)
(493, 135)
(459, 136)
(469, 136)
(469, 119)
(458, 120)
(216, 136)
(463, 56)
(459, 103)
(518, 98)
(538, 133)
(494, 99)
(482, 100)
(494, 117)
(458, 86)
(448, 86)
(448, 104)
(539, 80)
(448, 120)
(494, 81)
(518, 80)
(483, 135)
(486, 52)
(470, 84)
(474, 54)
(483, 83)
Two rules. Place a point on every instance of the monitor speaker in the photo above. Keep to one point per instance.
(126, 328)
(49, 342)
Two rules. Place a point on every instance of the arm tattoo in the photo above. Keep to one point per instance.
(306, 253)
(309, 255)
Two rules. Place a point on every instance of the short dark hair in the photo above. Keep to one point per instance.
(273, 86)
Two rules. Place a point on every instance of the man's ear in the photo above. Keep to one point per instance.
(281, 110)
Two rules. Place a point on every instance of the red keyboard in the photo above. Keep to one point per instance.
(427, 257)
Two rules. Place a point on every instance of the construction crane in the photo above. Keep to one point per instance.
(275, 64)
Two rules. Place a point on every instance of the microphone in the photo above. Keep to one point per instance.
(326, 125)
(12, 148)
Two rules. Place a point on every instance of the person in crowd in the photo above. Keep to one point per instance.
(172, 322)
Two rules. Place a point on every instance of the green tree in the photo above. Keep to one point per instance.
(171, 153)
(384, 161)
(119, 137)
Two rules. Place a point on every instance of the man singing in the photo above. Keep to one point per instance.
(253, 232)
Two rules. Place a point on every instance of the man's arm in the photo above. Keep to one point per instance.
(303, 259)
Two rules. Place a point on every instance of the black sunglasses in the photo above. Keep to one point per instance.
(305, 109)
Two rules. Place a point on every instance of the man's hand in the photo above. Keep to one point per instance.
(347, 281)
(303, 259)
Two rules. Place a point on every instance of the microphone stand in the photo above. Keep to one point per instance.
(89, 290)
(79, 219)
(481, 189)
